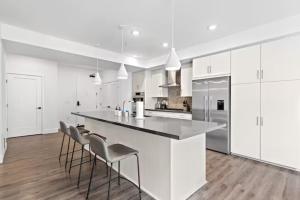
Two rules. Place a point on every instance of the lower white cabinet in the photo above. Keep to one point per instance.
(265, 122)
(245, 112)
(280, 128)
(186, 116)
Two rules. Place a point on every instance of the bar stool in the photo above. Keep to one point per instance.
(82, 140)
(66, 132)
(112, 154)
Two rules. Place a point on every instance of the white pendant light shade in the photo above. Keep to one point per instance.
(97, 80)
(122, 73)
(173, 62)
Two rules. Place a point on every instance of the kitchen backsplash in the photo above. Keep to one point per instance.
(174, 99)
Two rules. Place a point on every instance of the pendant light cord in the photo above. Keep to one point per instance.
(172, 24)
(122, 50)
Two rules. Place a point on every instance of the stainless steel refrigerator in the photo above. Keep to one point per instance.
(211, 102)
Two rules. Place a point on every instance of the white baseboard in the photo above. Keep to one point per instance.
(50, 130)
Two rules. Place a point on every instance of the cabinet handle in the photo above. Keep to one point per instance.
(207, 69)
(262, 74)
(257, 74)
(261, 121)
(257, 121)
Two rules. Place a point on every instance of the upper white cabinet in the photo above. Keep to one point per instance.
(138, 82)
(280, 127)
(245, 65)
(186, 81)
(211, 66)
(280, 59)
(158, 78)
(245, 120)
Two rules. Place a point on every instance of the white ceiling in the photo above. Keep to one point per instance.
(96, 21)
(62, 57)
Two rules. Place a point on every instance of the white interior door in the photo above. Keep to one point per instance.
(245, 112)
(280, 130)
(24, 97)
(109, 96)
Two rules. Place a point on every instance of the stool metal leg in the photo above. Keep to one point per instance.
(78, 182)
(91, 177)
(109, 182)
(139, 179)
(62, 144)
(106, 168)
(67, 157)
(74, 144)
(90, 154)
(119, 166)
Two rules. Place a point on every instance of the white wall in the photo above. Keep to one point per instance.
(123, 91)
(48, 70)
(75, 84)
(65, 84)
(1, 112)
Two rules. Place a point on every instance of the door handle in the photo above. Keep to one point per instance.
(261, 121)
(257, 121)
(39, 108)
(78, 103)
(262, 74)
(257, 74)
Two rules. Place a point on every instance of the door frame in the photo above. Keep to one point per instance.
(42, 98)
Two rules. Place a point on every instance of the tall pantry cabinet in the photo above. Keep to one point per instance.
(266, 102)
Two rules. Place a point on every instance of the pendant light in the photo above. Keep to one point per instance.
(97, 80)
(173, 62)
(122, 73)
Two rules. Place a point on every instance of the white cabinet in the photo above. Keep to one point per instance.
(280, 129)
(138, 82)
(245, 65)
(245, 112)
(158, 78)
(280, 59)
(201, 67)
(186, 81)
(186, 116)
(211, 66)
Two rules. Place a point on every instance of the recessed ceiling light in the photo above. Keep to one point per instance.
(135, 33)
(165, 44)
(212, 27)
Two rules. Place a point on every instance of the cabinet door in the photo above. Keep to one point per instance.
(280, 59)
(280, 130)
(245, 65)
(220, 64)
(201, 67)
(186, 81)
(138, 83)
(245, 129)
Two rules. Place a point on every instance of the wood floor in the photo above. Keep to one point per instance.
(32, 171)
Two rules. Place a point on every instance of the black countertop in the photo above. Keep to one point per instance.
(170, 110)
(167, 127)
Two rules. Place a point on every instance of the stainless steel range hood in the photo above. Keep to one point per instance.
(173, 79)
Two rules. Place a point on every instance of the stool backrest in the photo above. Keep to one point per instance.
(63, 127)
(75, 134)
(99, 146)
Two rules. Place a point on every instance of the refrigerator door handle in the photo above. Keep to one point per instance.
(209, 108)
(205, 108)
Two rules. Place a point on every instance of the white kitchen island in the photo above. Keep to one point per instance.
(172, 151)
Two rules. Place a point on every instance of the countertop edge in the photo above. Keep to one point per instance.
(131, 127)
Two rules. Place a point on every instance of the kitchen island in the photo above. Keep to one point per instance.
(172, 151)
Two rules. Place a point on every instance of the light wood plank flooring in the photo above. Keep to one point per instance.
(32, 171)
